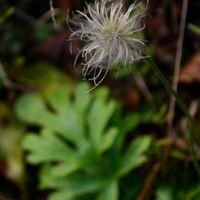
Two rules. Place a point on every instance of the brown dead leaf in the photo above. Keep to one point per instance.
(133, 98)
(190, 73)
(68, 4)
(57, 45)
(181, 144)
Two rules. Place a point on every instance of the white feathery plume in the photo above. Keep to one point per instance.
(110, 35)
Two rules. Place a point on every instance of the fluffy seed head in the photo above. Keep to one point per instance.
(110, 35)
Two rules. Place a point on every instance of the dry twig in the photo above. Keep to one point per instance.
(52, 13)
(149, 182)
(177, 65)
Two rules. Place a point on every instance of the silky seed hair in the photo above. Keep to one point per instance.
(110, 35)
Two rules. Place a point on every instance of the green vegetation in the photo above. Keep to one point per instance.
(116, 142)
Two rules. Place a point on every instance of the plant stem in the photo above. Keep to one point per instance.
(189, 136)
(52, 13)
(177, 65)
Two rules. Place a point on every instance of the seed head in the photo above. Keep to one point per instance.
(110, 35)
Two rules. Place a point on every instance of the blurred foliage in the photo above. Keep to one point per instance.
(11, 135)
(6, 15)
(10, 151)
(34, 77)
(194, 28)
(81, 142)
(164, 193)
(87, 145)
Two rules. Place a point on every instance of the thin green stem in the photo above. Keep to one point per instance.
(181, 104)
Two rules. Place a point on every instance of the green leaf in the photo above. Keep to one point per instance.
(45, 77)
(70, 114)
(77, 185)
(46, 147)
(134, 155)
(6, 15)
(108, 139)
(151, 115)
(98, 117)
(30, 109)
(82, 98)
(47, 180)
(77, 139)
(139, 145)
(194, 28)
(70, 126)
(130, 122)
(61, 195)
(164, 193)
(129, 163)
(41, 32)
(193, 194)
(102, 93)
(59, 100)
(65, 168)
(110, 192)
